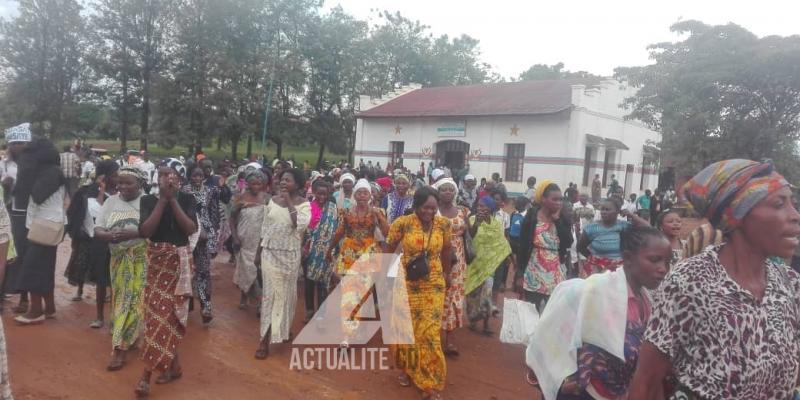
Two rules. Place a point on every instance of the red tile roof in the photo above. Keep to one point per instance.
(514, 98)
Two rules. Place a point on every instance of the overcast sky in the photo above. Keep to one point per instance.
(590, 35)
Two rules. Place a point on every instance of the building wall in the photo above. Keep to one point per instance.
(555, 145)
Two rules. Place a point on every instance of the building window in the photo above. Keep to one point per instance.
(515, 161)
(396, 153)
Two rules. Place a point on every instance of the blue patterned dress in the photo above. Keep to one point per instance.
(319, 270)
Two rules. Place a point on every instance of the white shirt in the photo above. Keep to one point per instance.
(51, 209)
(504, 218)
(87, 168)
(630, 206)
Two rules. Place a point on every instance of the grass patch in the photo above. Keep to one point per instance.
(298, 153)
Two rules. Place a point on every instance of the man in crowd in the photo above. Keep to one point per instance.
(71, 167)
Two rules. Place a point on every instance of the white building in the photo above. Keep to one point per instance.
(566, 131)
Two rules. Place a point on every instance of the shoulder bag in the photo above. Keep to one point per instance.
(418, 268)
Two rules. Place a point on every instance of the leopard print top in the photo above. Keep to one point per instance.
(723, 343)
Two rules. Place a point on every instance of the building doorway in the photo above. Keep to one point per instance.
(452, 154)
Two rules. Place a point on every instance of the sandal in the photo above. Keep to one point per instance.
(169, 376)
(207, 318)
(142, 389)
(115, 365)
(404, 380)
(77, 298)
(23, 320)
(50, 316)
(432, 395)
(451, 350)
(488, 332)
(262, 353)
(96, 324)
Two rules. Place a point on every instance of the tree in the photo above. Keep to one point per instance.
(721, 93)
(42, 50)
(540, 72)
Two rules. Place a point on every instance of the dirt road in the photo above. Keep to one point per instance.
(65, 359)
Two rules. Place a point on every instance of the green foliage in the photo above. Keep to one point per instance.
(541, 72)
(721, 93)
(196, 73)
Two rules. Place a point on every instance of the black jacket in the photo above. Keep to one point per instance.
(563, 227)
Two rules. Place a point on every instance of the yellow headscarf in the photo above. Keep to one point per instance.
(539, 195)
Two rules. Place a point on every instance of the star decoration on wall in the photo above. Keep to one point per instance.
(397, 129)
(514, 130)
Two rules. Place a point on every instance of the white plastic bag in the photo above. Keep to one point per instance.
(519, 321)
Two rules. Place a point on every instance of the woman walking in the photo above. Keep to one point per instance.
(725, 323)
(118, 224)
(399, 200)
(286, 218)
(40, 180)
(545, 239)
(453, 317)
(356, 230)
(593, 355)
(206, 199)
(424, 234)
(90, 256)
(599, 241)
(167, 220)
(491, 250)
(318, 270)
(247, 217)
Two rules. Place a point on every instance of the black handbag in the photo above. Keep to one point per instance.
(418, 268)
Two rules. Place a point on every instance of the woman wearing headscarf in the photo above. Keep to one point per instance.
(453, 317)
(207, 200)
(545, 239)
(424, 234)
(118, 224)
(726, 323)
(356, 230)
(247, 216)
(344, 197)
(491, 249)
(399, 200)
(89, 260)
(40, 182)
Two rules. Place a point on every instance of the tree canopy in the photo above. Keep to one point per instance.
(200, 72)
(721, 92)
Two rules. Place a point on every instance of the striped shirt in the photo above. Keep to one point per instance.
(605, 240)
(701, 237)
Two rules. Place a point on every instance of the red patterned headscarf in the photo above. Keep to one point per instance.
(726, 191)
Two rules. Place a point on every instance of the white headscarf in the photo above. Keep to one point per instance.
(362, 184)
(347, 177)
(447, 181)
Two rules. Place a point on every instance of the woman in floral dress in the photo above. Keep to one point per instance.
(545, 240)
(424, 233)
(453, 317)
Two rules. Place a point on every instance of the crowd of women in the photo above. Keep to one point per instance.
(649, 317)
